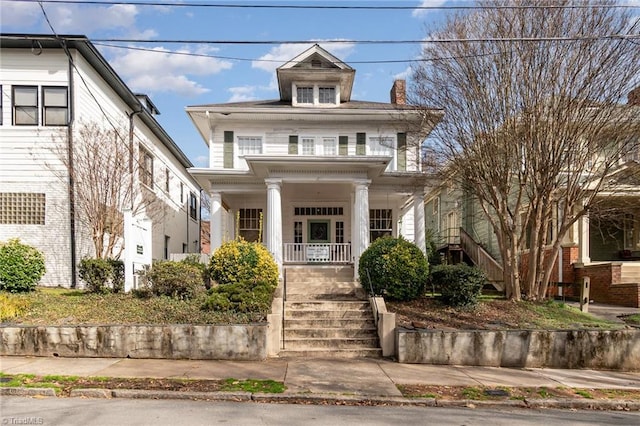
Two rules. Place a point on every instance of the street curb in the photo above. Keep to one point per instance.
(15, 391)
(332, 399)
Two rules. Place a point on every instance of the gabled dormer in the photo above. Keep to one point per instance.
(315, 78)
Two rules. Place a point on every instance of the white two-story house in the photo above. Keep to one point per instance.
(314, 174)
(53, 89)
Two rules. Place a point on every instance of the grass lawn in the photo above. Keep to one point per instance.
(56, 306)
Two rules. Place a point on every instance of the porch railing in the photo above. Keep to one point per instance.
(317, 252)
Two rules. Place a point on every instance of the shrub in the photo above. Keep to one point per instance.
(178, 280)
(194, 259)
(395, 267)
(240, 261)
(102, 275)
(246, 275)
(241, 298)
(11, 307)
(460, 284)
(21, 266)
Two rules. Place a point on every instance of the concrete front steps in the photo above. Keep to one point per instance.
(327, 315)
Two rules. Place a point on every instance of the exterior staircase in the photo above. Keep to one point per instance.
(327, 314)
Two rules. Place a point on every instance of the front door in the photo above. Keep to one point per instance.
(319, 237)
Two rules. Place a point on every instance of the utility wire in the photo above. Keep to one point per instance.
(330, 7)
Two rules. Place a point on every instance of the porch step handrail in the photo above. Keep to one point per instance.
(481, 258)
(317, 253)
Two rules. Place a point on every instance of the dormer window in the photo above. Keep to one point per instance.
(316, 95)
(305, 94)
(327, 95)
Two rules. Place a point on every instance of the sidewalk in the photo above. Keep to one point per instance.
(334, 379)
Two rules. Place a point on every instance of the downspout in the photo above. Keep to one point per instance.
(71, 188)
(131, 117)
(200, 224)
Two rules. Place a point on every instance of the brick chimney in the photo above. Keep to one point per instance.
(399, 92)
(633, 98)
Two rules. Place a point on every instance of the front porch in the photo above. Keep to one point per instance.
(313, 253)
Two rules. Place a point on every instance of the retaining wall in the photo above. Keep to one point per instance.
(613, 349)
(228, 342)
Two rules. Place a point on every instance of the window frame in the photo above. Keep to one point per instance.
(15, 107)
(46, 108)
(145, 172)
(304, 149)
(379, 217)
(324, 100)
(317, 100)
(303, 100)
(246, 145)
(254, 218)
(193, 206)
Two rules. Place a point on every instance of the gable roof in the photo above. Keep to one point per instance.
(107, 73)
(315, 65)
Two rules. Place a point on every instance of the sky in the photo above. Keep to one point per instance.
(175, 74)
(230, 72)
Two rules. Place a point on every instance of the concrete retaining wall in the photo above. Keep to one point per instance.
(231, 342)
(617, 349)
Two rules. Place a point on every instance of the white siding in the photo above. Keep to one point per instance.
(29, 161)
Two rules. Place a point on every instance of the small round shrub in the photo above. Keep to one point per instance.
(96, 274)
(178, 280)
(21, 266)
(240, 261)
(396, 268)
(460, 285)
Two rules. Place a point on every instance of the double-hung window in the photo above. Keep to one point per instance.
(380, 223)
(327, 95)
(146, 168)
(249, 221)
(249, 145)
(193, 206)
(329, 146)
(308, 146)
(304, 94)
(55, 106)
(25, 105)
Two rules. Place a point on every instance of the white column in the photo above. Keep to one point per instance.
(418, 218)
(583, 239)
(273, 234)
(216, 220)
(361, 221)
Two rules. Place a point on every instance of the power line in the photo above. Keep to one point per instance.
(203, 4)
(425, 41)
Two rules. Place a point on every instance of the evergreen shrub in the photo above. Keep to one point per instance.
(21, 266)
(396, 269)
(460, 285)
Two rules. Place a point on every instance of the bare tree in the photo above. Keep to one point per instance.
(533, 119)
(104, 174)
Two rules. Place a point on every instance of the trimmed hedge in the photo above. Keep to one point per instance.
(396, 268)
(179, 280)
(102, 275)
(460, 285)
(21, 266)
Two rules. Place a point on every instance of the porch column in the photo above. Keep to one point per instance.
(215, 226)
(583, 240)
(418, 218)
(361, 222)
(273, 234)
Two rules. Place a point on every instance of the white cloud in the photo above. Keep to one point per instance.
(161, 70)
(278, 55)
(72, 18)
(420, 13)
(201, 161)
(403, 75)
(19, 15)
(242, 93)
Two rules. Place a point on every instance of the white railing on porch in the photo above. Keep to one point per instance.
(317, 252)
